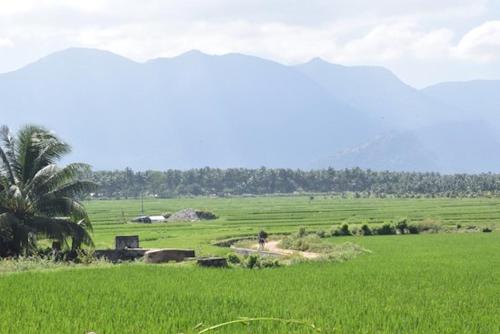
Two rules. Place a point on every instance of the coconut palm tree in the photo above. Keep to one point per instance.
(38, 199)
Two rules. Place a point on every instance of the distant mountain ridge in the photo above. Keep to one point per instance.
(197, 110)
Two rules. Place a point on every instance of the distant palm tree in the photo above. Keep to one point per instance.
(37, 198)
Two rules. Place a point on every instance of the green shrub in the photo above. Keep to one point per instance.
(487, 230)
(252, 261)
(413, 229)
(321, 233)
(344, 230)
(302, 232)
(386, 229)
(206, 215)
(366, 230)
(429, 226)
(269, 263)
(402, 226)
(233, 258)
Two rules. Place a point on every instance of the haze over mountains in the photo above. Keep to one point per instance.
(198, 110)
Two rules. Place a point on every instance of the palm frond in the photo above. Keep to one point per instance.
(15, 236)
(50, 149)
(34, 192)
(36, 148)
(50, 178)
(75, 189)
(52, 206)
(61, 230)
(7, 155)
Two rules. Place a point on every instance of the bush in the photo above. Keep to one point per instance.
(302, 232)
(321, 233)
(413, 229)
(429, 226)
(269, 263)
(366, 230)
(300, 243)
(252, 262)
(344, 230)
(487, 230)
(233, 258)
(206, 215)
(386, 229)
(402, 226)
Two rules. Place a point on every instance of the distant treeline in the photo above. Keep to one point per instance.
(240, 181)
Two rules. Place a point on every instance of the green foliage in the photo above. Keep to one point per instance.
(349, 183)
(206, 215)
(37, 199)
(413, 229)
(233, 258)
(402, 226)
(366, 230)
(385, 229)
(428, 225)
(302, 232)
(321, 233)
(342, 231)
(295, 242)
(252, 261)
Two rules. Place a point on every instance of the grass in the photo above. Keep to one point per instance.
(441, 283)
(427, 283)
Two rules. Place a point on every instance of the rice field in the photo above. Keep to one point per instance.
(247, 215)
(427, 283)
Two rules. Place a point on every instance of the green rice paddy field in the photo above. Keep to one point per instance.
(427, 283)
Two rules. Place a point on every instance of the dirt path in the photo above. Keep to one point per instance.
(273, 246)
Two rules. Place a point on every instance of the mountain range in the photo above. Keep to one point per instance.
(197, 110)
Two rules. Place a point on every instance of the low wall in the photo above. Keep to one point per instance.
(115, 255)
(167, 255)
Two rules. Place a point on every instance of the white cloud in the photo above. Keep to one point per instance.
(481, 43)
(6, 43)
(382, 32)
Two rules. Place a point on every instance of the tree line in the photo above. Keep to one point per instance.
(240, 181)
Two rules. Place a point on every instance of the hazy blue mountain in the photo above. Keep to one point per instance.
(190, 111)
(197, 110)
(393, 151)
(379, 92)
(454, 147)
(479, 98)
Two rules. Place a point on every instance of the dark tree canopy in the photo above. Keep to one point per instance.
(240, 181)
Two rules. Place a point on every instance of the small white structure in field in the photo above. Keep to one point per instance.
(149, 219)
(157, 219)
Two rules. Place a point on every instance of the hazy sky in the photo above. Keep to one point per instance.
(422, 41)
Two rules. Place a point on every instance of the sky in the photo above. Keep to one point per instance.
(422, 41)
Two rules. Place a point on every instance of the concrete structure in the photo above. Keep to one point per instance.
(115, 255)
(167, 255)
(126, 241)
